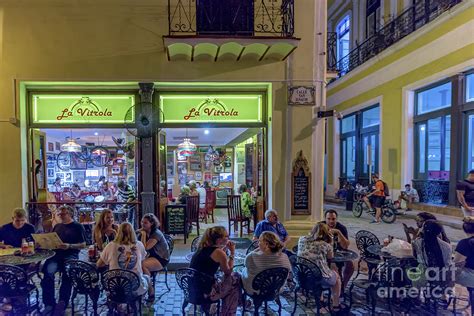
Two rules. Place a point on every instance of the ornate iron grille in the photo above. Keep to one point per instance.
(414, 17)
(432, 191)
(332, 51)
(231, 17)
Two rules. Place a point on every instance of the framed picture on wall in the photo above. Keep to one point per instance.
(182, 168)
(116, 170)
(189, 177)
(50, 172)
(170, 164)
(50, 147)
(79, 176)
(218, 169)
(60, 175)
(57, 146)
(215, 181)
(193, 166)
(198, 176)
(207, 176)
(181, 179)
(195, 158)
(68, 176)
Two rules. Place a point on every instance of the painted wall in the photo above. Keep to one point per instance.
(121, 40)
(434, 52)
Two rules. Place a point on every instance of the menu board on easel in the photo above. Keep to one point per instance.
(175, 219)
(300, 186)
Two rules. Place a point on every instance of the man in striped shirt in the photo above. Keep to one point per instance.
(126, 193)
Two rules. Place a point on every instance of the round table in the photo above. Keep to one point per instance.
(344, 255)
(399, 254)
(239, 257)
(40, 255)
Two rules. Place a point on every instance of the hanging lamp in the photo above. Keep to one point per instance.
(71, 146)
(186, 148)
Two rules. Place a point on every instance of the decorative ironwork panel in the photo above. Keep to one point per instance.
(414, 17)
(332, 51)
(231, 17)
(432, 191)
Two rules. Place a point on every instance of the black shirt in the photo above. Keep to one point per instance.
(72, 233)
(468, 188)
(341, 228)
(203, 262)
(13, 237)
(466, 248)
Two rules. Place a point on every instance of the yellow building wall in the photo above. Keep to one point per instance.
(121, 40)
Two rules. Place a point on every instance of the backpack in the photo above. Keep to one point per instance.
(386, 190)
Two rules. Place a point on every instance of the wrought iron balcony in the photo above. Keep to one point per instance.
(231, 17)
(413, 18)
(332, 52)
(230, 30)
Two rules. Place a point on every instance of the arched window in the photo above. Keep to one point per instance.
(343, 30)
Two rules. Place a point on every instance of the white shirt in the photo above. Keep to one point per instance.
(202, 197)
(126, 257)
(413, 193)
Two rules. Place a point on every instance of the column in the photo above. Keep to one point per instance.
(355, 24)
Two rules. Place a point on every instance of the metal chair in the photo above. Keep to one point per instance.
(195, 285)
(85, 280)
(308, 278)
(235, 216)
(267, 284)
(195, 244)
(121, 286)
(170, 242)
(210, 203)
(14, 285)
(192, 212)
(364, 239)
(252, 247)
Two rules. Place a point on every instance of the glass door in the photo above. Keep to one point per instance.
(38, 162)
(470, 141)
(369, 150)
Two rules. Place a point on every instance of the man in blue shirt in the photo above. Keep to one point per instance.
(13, 233)
(271, 224)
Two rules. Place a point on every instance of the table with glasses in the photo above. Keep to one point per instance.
(239, 257)
(402, 254)
(8, 257)
(342, 256)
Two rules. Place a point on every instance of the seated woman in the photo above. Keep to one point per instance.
(105, 229)
(268, 255)
(246, 201)
(156, 246)
(464, 255)
(211, 256)
(432, 252)
(75, 192)
(126, 253)
(185, 192)
(106, 192)
(317, 248)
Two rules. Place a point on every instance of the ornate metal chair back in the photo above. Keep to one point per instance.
(120, 285)
(83, 275)
(13, 279)
(269, 282)
(195, 285)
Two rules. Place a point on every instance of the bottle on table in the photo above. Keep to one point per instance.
(31, 247)
(24, 246)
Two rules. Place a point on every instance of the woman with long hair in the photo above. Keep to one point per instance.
(127, 253)
(464, 259)
(431, 251)
(210, 256)
(105, 229)
(268, 255)
(317, 247)
(155, 245)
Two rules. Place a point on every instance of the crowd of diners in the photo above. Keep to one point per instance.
(145, 251)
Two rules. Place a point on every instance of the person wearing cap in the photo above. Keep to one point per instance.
(465, 193)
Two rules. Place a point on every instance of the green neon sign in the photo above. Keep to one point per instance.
(80, 109)
(213, 108)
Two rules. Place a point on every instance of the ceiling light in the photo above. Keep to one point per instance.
(71, 146)
(206, 132)
(186, 148)
(96, 134)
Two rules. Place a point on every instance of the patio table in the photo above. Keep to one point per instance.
(399, 254)
(38, 256)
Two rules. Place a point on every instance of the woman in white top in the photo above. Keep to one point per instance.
(268, 255)
(126, 253)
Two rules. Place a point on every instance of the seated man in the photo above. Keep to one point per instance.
(339, 230)
(13, 233)
(271, 224)
(410, 195)
(73, 237)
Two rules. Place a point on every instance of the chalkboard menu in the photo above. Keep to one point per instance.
(175, 219)
(300, 186)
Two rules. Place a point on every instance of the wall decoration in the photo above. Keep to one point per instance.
(189, 177)
(198, 176)
(180, 157)
(116, 170)
(50, 147)
(57, 146)
(195, 166)
(241, 173)
(196, 158)
(50, 160)
(208, 166)
(215, 181)
(181, 179)
(170, 170)
(79, 176)
(68, 176)
(182, 168)
(207, 176)
(218, 169)
(50, 172)
(60, 175)
(170, 182)
(240, 155)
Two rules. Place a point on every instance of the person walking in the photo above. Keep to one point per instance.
(465, 194)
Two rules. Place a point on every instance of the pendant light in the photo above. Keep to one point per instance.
(186, 148)
(71, 146)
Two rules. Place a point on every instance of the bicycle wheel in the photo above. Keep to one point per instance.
(388, 215)
(63, 160)
(357, 209)
(99, 156)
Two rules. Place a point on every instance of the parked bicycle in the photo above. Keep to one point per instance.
(389, 214)
(97, 156)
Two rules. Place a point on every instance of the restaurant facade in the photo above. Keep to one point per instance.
(115, 79)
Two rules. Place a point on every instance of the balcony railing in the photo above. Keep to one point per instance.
(414, 17)
(231, 17)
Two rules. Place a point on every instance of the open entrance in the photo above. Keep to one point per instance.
(214, 164)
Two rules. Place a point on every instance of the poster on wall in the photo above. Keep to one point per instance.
(79, 176)
(215, 181)
(181, 179)
(182, 168)
(198, 176)
(195, 158)
(241, 173)
(50, 147)
(50, 160)
(50, 172)
(68, 176)
(195, 166)
(208, 177)
(170, 164)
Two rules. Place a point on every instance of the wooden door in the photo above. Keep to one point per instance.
(37, 162)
